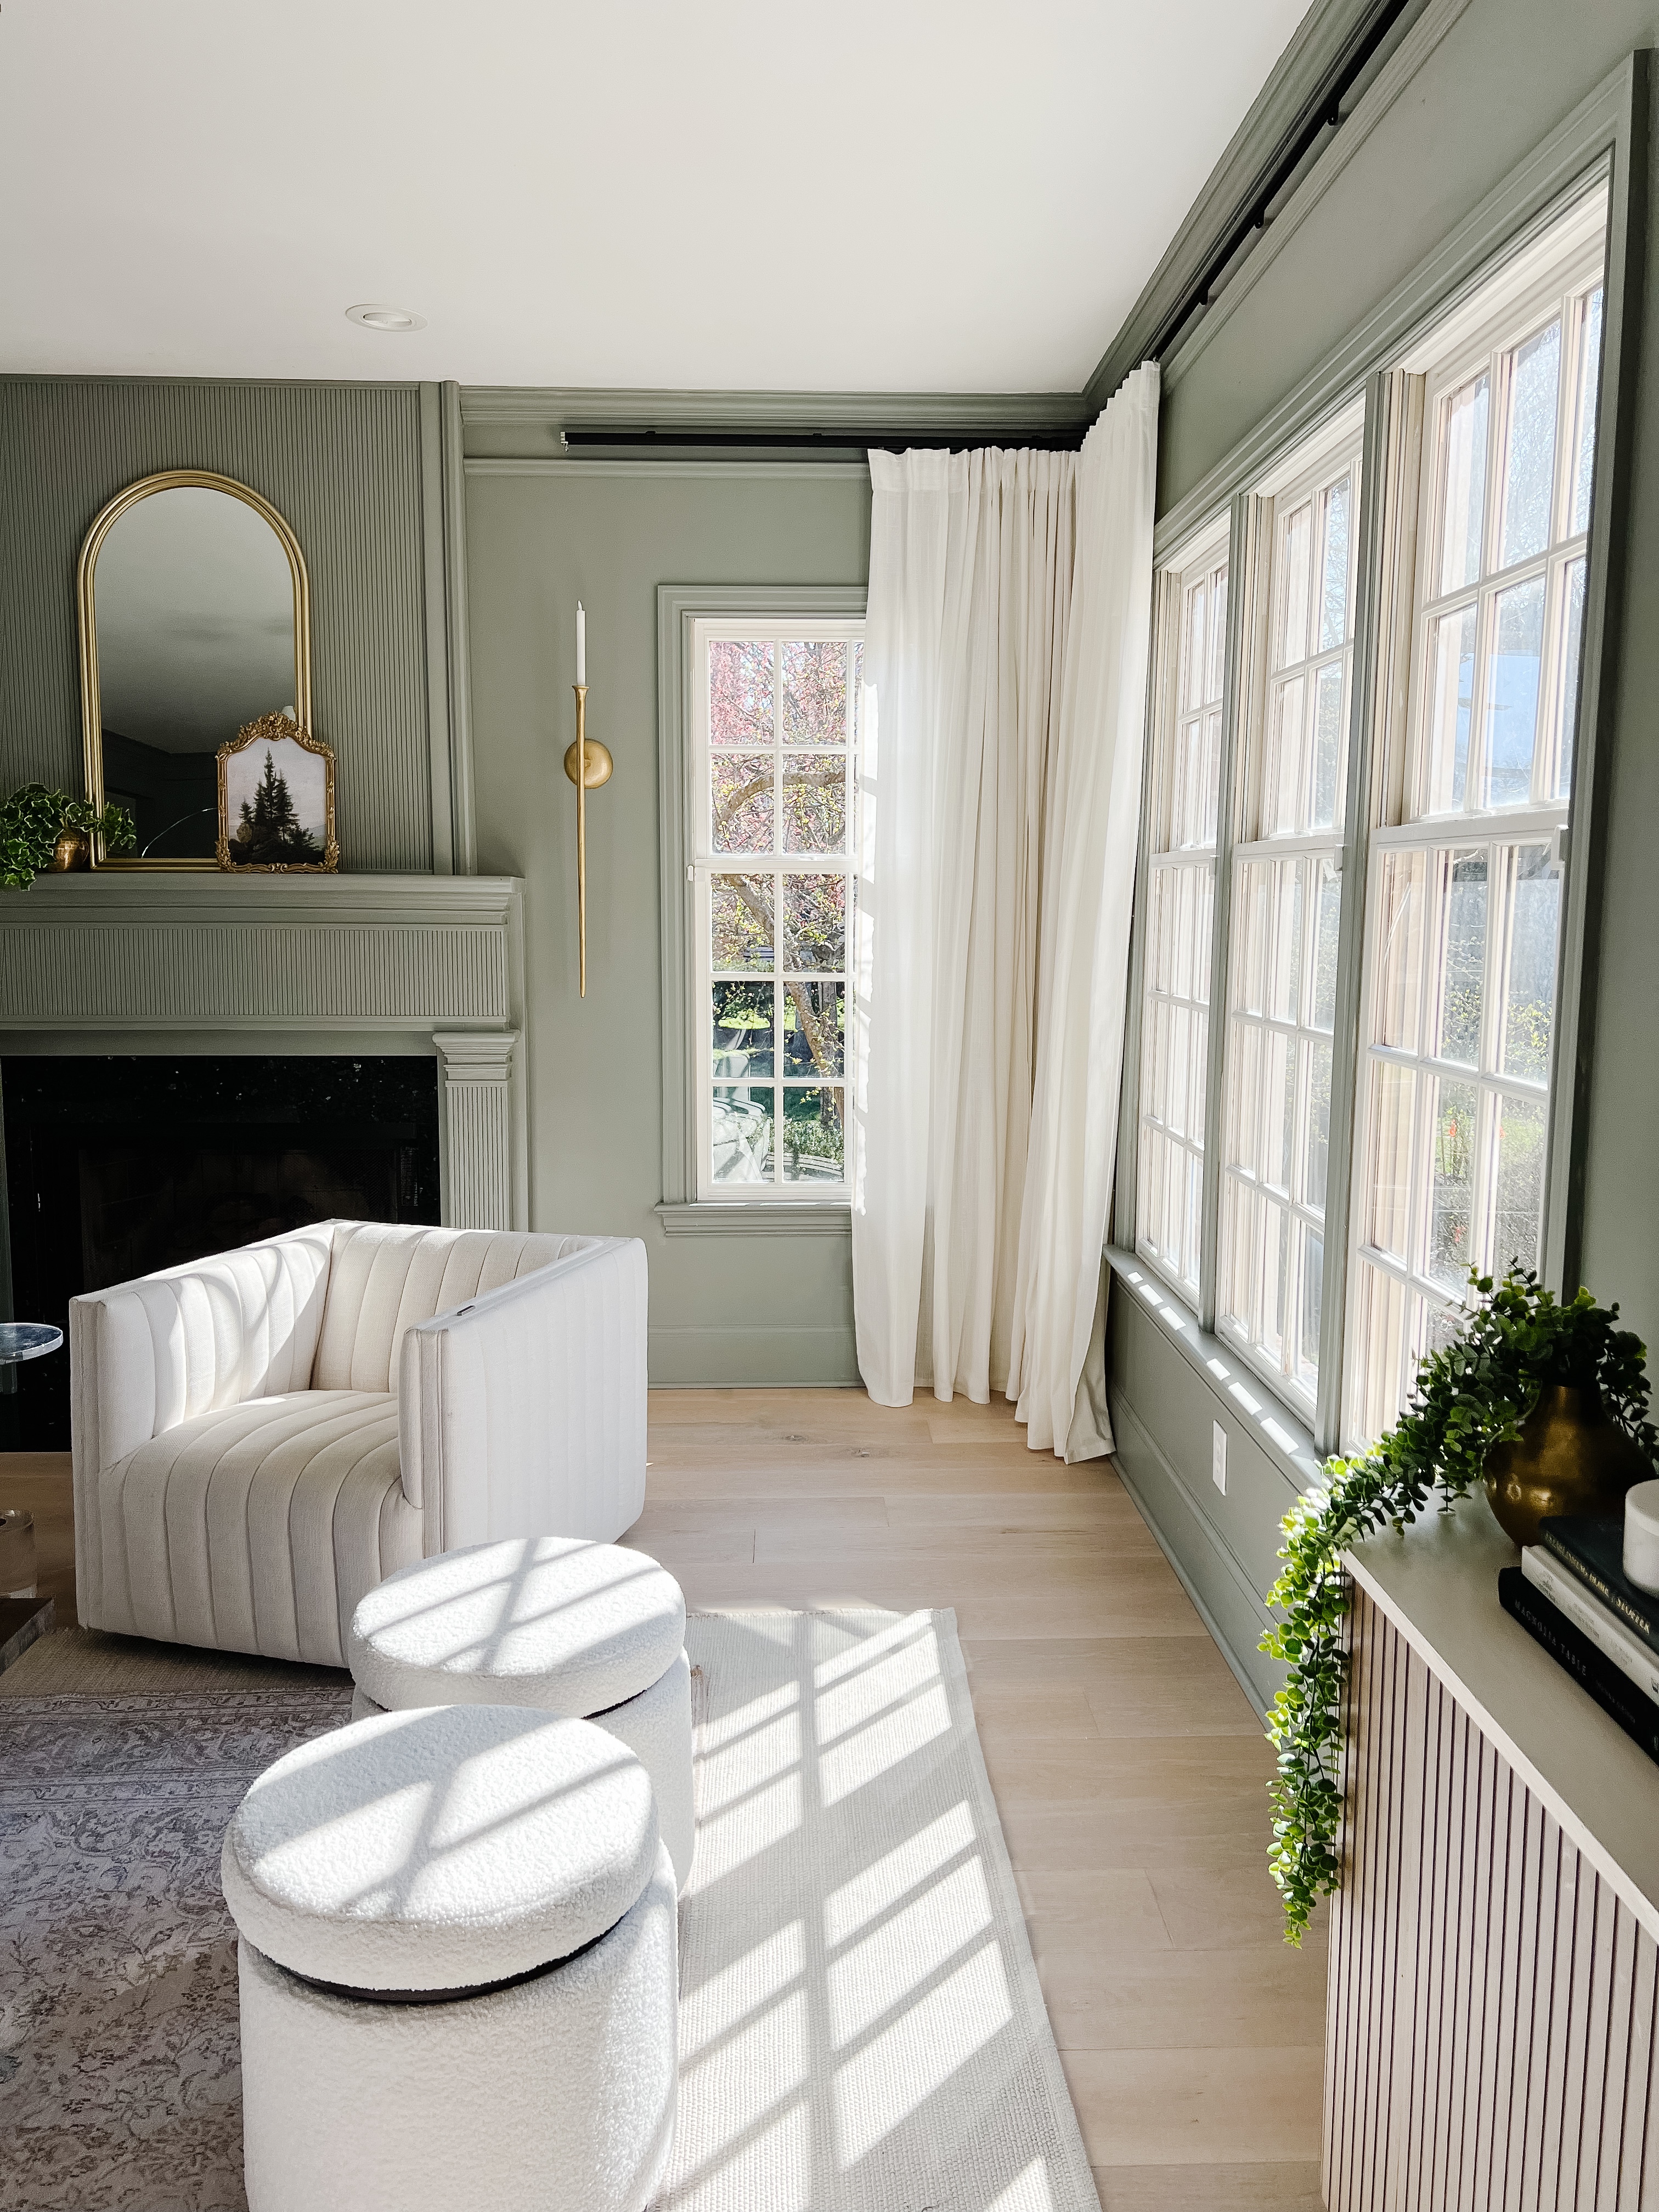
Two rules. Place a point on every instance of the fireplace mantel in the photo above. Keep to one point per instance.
(255, 964)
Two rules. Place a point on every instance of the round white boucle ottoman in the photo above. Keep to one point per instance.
(458, 1969)
(589, 1631)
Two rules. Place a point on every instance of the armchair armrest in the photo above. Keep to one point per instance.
(146, 1355)
(522, 1412)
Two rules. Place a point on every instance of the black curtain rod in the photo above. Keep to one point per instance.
(1323, 113)
(827, 441)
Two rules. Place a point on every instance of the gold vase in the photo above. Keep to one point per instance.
(72, 853)
(1567, 1459)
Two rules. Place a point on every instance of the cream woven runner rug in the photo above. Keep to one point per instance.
(862, 2028)
(860, 2025)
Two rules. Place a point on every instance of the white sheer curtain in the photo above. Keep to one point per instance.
(1005, 665)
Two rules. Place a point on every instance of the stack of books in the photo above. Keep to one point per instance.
(1571, 1594)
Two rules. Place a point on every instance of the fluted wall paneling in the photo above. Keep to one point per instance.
(1493, 2002)
(342, 463)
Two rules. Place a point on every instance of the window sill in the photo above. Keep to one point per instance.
(753, 1218)
(1281, 1432)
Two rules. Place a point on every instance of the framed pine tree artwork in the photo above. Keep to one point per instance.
(276, 800)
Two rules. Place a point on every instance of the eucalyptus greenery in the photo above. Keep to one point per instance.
(33, 818)
(1470, 1393)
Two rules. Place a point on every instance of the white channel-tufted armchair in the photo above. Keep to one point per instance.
(260, 1438)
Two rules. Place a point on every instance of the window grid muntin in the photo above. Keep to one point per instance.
(1566, 545)
(1419, 1311)
(1428, 1071)
(1180, 908)
(707, 865)
(1254, 1213)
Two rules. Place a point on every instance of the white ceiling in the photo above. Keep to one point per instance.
(899, 195)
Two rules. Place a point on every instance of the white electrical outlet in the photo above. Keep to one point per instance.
(1218, 1456)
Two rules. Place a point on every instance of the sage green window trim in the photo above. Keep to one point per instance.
(1600, 147)
(680, 607)
(710, 1217)
(1626, 163)
(1386, 491)
(1247, 616)
(1120, 1219)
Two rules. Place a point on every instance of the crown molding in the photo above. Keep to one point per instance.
(1403, 61)
(1326, 33)
(1570, 162)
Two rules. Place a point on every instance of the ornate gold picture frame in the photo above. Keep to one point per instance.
(277, 816)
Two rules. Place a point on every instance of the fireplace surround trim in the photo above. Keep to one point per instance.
(425, 962)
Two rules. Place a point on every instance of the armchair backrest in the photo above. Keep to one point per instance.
(384, 1278)
(146, 1355)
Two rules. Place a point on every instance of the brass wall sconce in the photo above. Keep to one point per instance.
(589, 765)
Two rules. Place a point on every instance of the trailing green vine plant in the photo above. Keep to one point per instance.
(1469, 1394)
(33, 818)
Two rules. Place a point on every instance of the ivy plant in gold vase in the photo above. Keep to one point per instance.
(1544, 1402)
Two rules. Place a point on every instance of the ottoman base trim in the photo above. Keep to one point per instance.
(433, 1996)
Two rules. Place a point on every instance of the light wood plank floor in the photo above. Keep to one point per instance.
(1129, 1768)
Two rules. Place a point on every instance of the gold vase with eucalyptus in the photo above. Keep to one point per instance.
(1568, 1458)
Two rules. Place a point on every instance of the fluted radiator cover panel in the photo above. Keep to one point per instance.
(1493, 2003)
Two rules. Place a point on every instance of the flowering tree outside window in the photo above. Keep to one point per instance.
(778, 719)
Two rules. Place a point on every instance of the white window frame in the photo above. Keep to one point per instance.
(680, 1212)
(1429, 1306)
(705, 865)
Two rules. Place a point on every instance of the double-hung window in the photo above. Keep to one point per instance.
(1374, 868)
(1286, 909)
(772, 761)
(1465, 864)
(1185, 793)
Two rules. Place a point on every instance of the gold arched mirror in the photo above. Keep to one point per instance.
(195, 621)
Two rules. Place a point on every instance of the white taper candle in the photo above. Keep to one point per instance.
(582, 644)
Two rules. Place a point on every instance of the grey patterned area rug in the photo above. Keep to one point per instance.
(860, 2025)
(119, 2081)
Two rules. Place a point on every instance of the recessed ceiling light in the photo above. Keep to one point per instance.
(374, 315)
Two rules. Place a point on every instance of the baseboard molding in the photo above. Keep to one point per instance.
(755, 1357)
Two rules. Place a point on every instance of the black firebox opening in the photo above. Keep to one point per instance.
(115, 1167)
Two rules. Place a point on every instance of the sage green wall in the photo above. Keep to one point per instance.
(1506, 73)
(341, 462)
(724, 1309)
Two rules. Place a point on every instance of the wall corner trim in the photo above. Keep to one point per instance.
(462, 807)
(435, 583)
